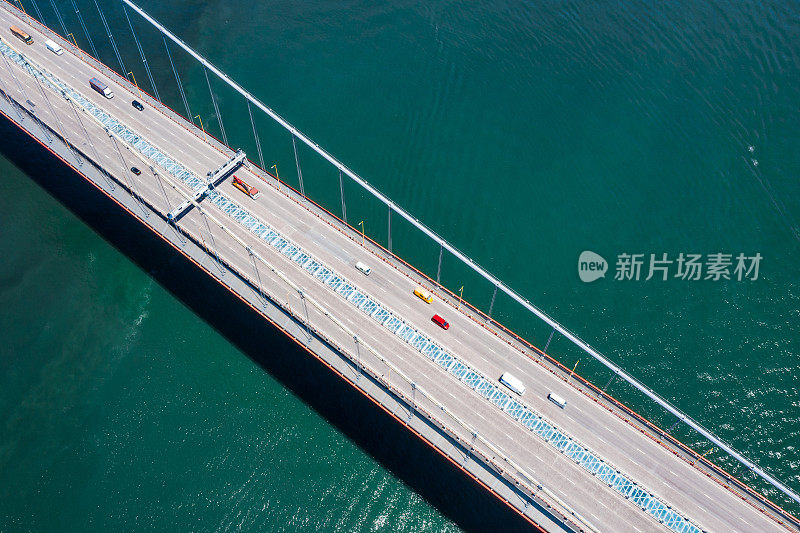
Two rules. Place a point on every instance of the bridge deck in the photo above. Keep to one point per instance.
(650, 464)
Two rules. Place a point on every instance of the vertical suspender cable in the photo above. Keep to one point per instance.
(216, 108)
(341, 191)
(177, 78)
(110, 37)
(24, 11)
(11, 102)
(491, 306)
(609, 382)
(177, 228)
(19, 85)
(255, 134)
(439, 268)
(163, 190)
(58, 16)
(89, 140)
(102, 171)
(299, 172)
(36, 7)
(390, 229)
(213, 244)
(41, 124)
(83, 25)
(258, 276)
(58, 120)
(141, 53)
(308, 321)
(131, 184)
(170, 221)
(550, 338)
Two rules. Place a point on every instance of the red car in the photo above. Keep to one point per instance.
(441, 322)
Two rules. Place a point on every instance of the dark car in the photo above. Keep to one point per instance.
(137, 105)
(136, 170)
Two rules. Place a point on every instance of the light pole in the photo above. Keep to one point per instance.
(460, 296)
(23, 10)
(277, 176)
(573, 369)
(75, 41)
(201, 126)
(136, 84)
(363, 238)
(702, 456)
(305, 309)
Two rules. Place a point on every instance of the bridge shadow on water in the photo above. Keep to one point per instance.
(412, 461)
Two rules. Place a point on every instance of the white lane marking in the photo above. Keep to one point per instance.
(459, 342)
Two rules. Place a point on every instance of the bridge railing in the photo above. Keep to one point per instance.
(466, 260)
(418, 400)
(444, 245)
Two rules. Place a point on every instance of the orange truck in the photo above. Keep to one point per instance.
(21, 35)
(249, 190)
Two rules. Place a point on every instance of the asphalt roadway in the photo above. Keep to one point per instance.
(650, 464)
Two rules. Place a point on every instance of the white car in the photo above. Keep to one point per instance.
(363, 267)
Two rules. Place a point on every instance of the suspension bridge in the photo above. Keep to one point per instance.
(592, 466)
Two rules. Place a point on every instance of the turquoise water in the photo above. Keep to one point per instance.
(524, 133)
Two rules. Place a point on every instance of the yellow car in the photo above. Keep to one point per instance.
(423, 295)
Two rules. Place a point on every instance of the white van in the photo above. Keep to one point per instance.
(558, 400)
(53, 47)
(512, 383)
(363, 267)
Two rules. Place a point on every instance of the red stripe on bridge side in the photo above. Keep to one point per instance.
(697, 457)
(281, 329)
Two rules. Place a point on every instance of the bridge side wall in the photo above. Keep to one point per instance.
(535, 512)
